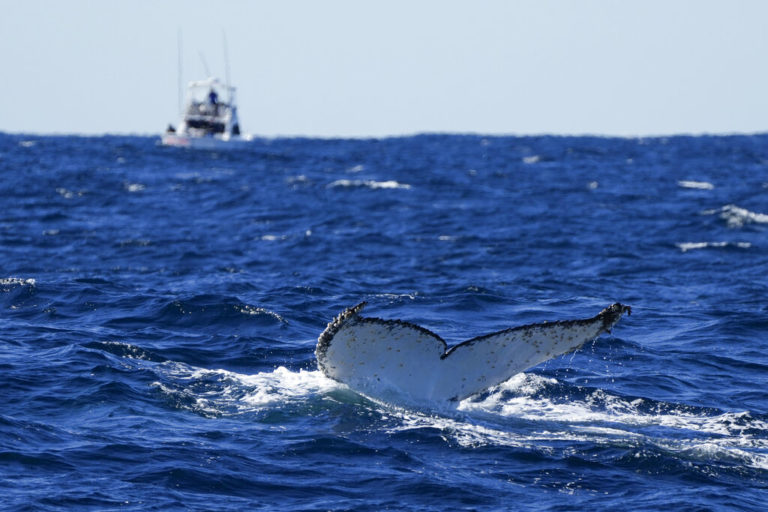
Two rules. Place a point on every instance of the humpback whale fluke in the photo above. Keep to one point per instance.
(392, 358)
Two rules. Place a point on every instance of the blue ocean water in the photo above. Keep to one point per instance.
(159, 310)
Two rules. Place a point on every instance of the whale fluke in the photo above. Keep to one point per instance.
(393, 358)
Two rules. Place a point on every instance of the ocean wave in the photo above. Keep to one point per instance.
(389, 184)
(692, 246)
(134, 187)
(521, 397)
(532, 159)
(125, 350)
(737, 217)
(201, 311)
(541, 421)
(17, 281)
(528, 411)
(222, 392)
(8, 284)
(525, 396)
(282, 384)
(699, 185)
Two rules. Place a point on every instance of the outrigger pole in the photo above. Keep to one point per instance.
(205, 64)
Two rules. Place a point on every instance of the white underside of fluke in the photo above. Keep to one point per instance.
(391, 359)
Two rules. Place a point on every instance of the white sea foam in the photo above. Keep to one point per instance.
(717, 450)
(16, 281)
(244, 393)
(283, 384)
(733, 438)
(301, 178)
(598, 407)
(273, 238)
(389, 184)
(517, 413)
(692, 246)
(737, 217)
(397, 296)
(134, 187)
(700, 185)
(66, 194)
(597, 412)
(247, 309)
(465, 433)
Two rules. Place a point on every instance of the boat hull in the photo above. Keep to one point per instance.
(186, 141)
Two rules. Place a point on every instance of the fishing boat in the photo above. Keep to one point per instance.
(209, 119)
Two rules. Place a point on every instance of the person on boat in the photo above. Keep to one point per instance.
(213, 98)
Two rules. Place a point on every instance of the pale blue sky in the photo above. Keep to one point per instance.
(375, 68)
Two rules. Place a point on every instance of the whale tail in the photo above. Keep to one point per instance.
(386, 358)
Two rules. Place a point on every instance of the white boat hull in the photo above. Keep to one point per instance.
(214, 142)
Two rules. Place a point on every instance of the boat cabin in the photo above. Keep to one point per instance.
(210, 109)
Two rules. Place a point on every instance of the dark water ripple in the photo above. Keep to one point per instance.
(159, 311)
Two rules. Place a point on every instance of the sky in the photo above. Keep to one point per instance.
(372, 68)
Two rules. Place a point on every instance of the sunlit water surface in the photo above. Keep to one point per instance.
(159, 310)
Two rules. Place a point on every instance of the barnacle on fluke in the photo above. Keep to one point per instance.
(393, 359)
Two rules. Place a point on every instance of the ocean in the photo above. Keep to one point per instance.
(159, 310)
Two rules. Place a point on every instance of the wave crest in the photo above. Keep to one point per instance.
(10, 282)
(389, 184)
(692, 246)
(736, 217)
